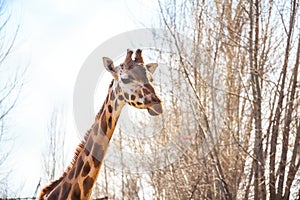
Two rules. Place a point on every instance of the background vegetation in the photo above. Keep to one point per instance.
(242, 68)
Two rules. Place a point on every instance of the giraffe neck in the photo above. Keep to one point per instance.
(77, 182)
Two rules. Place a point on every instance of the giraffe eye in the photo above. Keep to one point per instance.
(125, 80)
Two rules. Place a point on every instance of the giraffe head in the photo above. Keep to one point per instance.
(133, 82)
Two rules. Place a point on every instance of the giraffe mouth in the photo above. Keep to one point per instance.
(155, 109)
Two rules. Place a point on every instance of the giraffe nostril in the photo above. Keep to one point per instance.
(155, 99)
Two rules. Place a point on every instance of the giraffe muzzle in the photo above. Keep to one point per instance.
(155, 109)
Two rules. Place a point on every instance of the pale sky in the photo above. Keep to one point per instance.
(55, 38)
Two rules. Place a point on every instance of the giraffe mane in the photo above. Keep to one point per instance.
(53, 184)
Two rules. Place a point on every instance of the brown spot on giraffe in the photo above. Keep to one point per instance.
(116, 105)
(79, 166)
(76, 192)
(110, 108)
(103, 124)
(71, 174)
(145, 91)
(66, 190)
(117, 90)
(132, 97)
(112, 96)
(98, 154)
(111, 84)
(86, 169)
(87, 185)
(109, 122)
(120, 97)
(126, 96)
(56, 193)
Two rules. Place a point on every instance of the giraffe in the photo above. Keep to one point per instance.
(131, 84)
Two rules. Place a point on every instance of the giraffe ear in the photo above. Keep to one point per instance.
(109, 66)
(152, 67)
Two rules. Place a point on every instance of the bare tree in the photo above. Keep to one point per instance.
(242, 73)
(11, 83)
(250, 50)
(54, 153)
